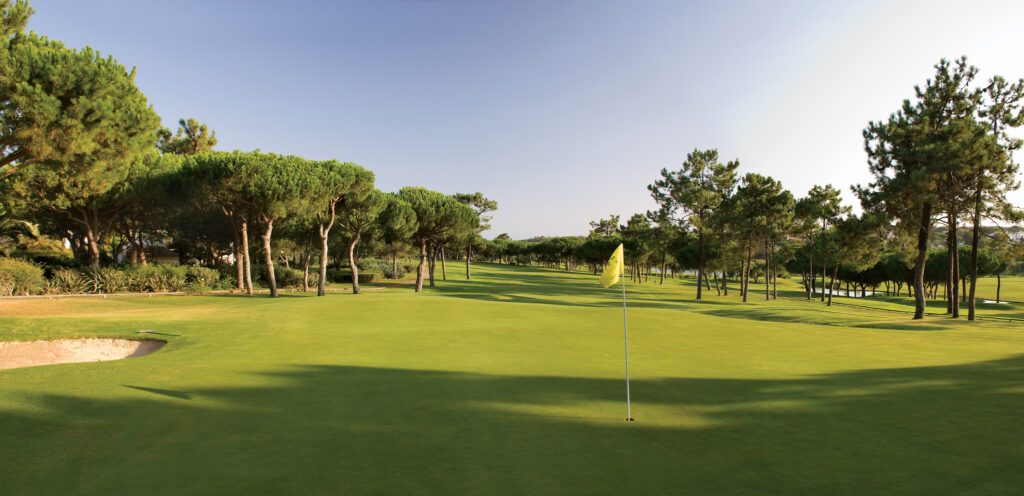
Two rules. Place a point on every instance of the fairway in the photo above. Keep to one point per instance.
(513, 383)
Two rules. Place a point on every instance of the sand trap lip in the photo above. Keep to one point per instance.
(18, 354)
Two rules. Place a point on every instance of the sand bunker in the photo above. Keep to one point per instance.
(16, 354)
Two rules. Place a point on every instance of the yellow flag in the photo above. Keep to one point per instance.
(613, 269)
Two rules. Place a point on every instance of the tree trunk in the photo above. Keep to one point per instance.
(746, 275)
(142, 250)
(662, 281)
(352, 264)
(956, 279)
(974, 253)
(775, 280)
(245, 255)
(324, 230)
(444, 272)
(432, 264)
(950, 254)
(270, 258)
(725, 283)
(305, 269)
(824, 274)
(924, 229)
(999, 285)
(239, 262)
(810, 292)
(94, 248)
(700, 260)
(323, 262)
(422, 267)
(831, 283)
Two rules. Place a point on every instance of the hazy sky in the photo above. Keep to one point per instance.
(562, 111)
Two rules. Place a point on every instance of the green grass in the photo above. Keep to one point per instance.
(512, 383)
(1012, 288)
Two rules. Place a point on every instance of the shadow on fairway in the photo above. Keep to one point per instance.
(517, 284)
(164, 392)
(338, 429)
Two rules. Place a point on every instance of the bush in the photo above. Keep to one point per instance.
(382, 267)
(18, 277)
(155, 278)
(284, 276)
(344, 276)
(49, 261)
(200, 278)
(67, 281)
(108, 280)
(228, 274)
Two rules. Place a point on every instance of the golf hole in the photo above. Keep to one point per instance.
(18, 354)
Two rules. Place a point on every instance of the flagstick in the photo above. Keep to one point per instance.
(625, 340)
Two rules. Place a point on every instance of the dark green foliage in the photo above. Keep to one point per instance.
(595, 251)
(72, 111)
(344, 276)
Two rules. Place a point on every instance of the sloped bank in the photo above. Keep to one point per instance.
(17, 354)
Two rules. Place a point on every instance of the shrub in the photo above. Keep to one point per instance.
(108, 280)
(344, 276)
(67, 281)
(284, 276)
(228, 274)
(49, 261)
(288, 277)
(18, 277)
(200, 278)
(154, 278)
(382, 267)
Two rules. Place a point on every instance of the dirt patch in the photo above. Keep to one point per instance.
(17, 354)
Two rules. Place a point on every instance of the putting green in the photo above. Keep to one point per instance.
(512, 383)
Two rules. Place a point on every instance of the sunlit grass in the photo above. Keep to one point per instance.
(513, 383)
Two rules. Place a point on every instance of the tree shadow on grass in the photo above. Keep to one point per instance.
(548, 287)
(320, 429)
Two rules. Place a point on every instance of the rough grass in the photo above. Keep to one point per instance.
(512, 383)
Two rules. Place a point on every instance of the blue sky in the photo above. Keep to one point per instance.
(562, 111)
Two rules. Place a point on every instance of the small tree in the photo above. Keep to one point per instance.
(437, 215)
(357, 214)
(917, 146)
(482, 206)
(396, 223)
(695, 192)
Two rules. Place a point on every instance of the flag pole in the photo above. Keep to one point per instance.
(625, 341)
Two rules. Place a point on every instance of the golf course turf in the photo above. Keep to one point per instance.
(513, 383)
